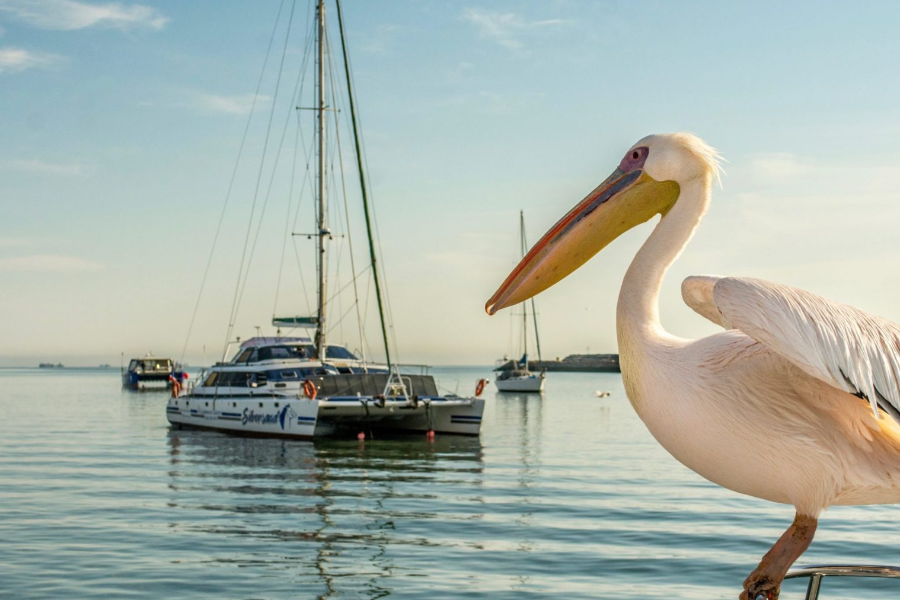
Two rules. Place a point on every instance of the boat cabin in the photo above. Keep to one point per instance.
(262, 350)
(150, 366)
(151, 370)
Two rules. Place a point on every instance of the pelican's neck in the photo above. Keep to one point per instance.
(638, 308)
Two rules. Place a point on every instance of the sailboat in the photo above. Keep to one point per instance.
(512, 375)
(299, 387)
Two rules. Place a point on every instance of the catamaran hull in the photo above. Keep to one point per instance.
(301, 418)
(270, 416)
(457, 416)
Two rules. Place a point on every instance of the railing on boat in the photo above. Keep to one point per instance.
(819, 572)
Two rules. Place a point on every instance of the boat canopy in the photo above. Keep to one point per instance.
(255, 342)
(293, 351)
(311, 322)
(151, 363)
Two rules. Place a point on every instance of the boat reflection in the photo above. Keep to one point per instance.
(522, 413)
(345, 513)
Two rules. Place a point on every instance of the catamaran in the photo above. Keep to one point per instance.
(303, 387)
(512, 375)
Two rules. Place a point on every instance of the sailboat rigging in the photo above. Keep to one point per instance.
(516, 376)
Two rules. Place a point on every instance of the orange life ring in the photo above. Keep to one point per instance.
(479, 387)
(309, 388)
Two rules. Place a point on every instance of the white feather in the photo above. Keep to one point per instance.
(697, 292)
(839, 344)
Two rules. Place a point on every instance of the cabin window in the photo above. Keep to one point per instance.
(211, 380)
(304, 351)
(232, 379)
(275, 353)
(244, 356)
(156, 365)
(339, 352)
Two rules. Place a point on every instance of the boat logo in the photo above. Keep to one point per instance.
(286, 414)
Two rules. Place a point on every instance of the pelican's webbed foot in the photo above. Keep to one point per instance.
(764, 583)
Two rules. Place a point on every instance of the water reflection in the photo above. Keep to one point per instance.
(342, 504)
(523, 413)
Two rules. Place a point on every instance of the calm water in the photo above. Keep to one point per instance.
(565, 497)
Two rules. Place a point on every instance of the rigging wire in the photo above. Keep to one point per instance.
(298, 94)
(287, 224)
(231, 182)
(235, 302)
(364, 175)
(308, 181)
(340, 155)
(241, 286)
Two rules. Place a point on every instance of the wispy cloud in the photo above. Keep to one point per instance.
(232, 105)
(778, 166)
(45, 168)
(13, 242)
(15, 60)
(47, 263)
(381, 40)
(67, 15)
(505, 29)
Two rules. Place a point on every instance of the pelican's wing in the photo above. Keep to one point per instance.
(839, 344)
(697, 292)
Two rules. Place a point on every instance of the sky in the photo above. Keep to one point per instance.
(122, 123)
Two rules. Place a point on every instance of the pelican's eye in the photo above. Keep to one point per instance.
(634, 159)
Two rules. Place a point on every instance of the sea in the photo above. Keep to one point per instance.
(564, 495)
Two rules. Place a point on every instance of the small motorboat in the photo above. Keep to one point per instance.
(152, 371)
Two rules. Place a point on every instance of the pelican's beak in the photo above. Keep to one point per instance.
(623, 201)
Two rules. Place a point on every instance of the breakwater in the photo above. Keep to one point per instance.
(584, 363)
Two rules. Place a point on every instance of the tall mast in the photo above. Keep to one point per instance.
(537, 338)
(524, 305)
(362, 183)
(323, 228)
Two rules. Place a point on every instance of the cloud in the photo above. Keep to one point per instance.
(778, 166)
(11, 242)
(232, 105)
(381, 40)
(67, 15)
(505, 28)
(47, 263)
(14, 60)
(785, 174)
(44, 168)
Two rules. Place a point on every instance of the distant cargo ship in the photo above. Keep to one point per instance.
(585, 363)
(51, 366)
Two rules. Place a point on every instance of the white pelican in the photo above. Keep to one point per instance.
(797, 402)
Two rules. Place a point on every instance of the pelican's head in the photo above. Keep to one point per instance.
(646, 183)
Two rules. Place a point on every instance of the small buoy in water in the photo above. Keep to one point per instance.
(601, 394)
(430, 434)
(361, 436)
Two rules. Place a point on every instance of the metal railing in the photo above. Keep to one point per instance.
(817, 573)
